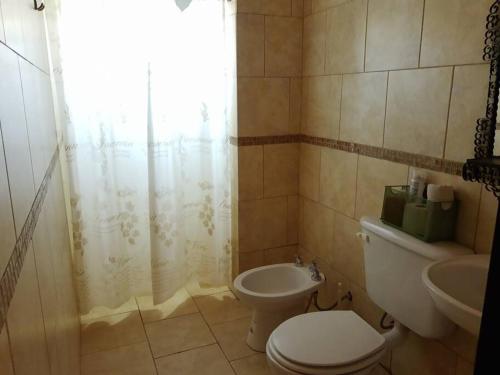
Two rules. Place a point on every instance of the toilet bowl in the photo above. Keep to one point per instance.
(325, 343)
(275, 293)
(340, 342)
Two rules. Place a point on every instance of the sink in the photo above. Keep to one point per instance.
(457, 287)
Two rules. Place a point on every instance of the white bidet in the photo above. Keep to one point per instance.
(276, 293)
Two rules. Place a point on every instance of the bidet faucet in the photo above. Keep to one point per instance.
(298, 261)
(316, 275)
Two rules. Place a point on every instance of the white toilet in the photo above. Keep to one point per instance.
(275, 293)
(341, 342)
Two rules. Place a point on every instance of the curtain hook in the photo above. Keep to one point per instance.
(39, 7)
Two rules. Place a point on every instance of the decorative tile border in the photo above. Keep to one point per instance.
(414, 160)
(14, 266)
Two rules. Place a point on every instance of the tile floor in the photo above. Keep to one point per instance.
(198, 331)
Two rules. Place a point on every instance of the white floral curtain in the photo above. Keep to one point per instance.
(146, 93)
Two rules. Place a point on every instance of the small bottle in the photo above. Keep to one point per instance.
(417, 186)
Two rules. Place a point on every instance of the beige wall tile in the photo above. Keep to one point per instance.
(347, 255)
(263, 106)
(337, 188)
(363, 108)
(319, 5)
(321, 97)
(463, 343)
(262, 224)
(403, 22)
(132, 359)
(486, 222)
(250, 45)
(208, 360)
(468, 103)
(283, 54)
(281, 169)
(417, 110)
(307, 7)
(251, 260)
(468, 194)
(464, 367)
(316, 232)
(5, 357)
(251, 172)
(314, 51)
(292, 224)
(363, 305)
(297, 8)
(453, 32)
(268, 7)
(284, 254)
(7, 229)
(345, 38)
(373, 176)
(420, 356)
(295, 105)
(310, 158)
(28, 345)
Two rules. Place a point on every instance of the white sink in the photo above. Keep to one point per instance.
(457, 287)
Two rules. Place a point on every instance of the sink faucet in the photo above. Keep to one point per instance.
(316, 275)
(298, 261)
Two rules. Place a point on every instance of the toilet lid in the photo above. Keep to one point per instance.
(326, 339)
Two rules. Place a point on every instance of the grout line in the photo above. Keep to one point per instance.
(146, 334)
(385, 108)
(214, 336)
(387, 70)
(8, 180)
(366, 34)
(421, 35)
(452, 81)
(24, 58)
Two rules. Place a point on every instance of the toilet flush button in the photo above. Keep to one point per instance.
(363, 236)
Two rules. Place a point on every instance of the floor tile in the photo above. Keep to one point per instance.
(379, 370)
(196, 289)
(178, 334)
(221, 307)
(101, 311)
(208, 360)
(127, 360)
(232, 336)
(253, 365)
(111, 332)
(179, 304)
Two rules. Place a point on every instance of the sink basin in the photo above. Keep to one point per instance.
(457, 287)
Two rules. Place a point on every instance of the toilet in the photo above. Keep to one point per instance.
(341, 342)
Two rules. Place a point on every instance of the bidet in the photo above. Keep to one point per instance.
(275, 293)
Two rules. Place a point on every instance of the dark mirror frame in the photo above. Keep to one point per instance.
(485, 168)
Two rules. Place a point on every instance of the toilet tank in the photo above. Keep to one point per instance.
(393, 273)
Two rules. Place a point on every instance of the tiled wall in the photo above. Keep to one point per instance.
(398, 75)
(41, 332)
(389, 77)
(269, 66)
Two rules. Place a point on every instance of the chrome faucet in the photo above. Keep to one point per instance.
(298, 261)
(316, 275)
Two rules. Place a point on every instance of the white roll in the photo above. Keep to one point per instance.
(440, 193)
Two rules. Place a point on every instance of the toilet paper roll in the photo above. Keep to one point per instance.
(440, 193)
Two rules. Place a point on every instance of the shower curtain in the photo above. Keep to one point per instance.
(146, 96)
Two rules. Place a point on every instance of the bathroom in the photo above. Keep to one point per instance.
(154, 151)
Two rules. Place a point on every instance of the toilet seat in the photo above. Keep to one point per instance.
(332, 342)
